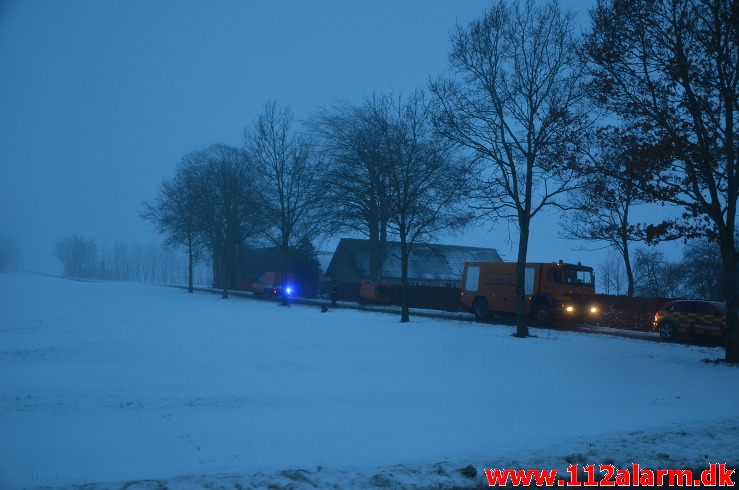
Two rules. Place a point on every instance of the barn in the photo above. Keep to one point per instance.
(429, 264)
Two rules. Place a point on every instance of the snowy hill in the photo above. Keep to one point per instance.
(113, 383)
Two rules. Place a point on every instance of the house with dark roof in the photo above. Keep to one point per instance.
(428, 265)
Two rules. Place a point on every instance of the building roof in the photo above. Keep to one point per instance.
(428, 262)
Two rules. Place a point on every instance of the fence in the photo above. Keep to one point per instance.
(422, 297)
(628, 313)
(619, 312)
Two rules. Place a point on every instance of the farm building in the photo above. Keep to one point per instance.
(429, 264)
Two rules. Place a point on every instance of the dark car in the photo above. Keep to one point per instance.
(690, 317)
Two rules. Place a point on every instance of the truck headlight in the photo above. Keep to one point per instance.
(593, 310)
(570, 309)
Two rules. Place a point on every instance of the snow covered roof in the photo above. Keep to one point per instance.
(428, 262)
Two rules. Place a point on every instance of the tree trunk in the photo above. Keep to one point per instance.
(728, 237)
(221, 265)
(215, 269)
(404, 314)
(629, 271)
(382, 249)
(374, 245)
(190, 288)
(729, 259)
(522, 329)
(377, 243)
(285, 255)
(224, 272)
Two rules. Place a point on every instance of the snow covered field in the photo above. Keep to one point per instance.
(114, 383)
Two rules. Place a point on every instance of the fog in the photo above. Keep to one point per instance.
(101, 99)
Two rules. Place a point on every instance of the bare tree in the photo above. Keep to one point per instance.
(701, 262)
(615, 171)
(227, 209)
(78, 256)
(356, 177)
(657, 277)
(426, 180)
(517, 109)
(174, 212)
(290, 188)
(209, 205)
(672, 66)
(611, 274)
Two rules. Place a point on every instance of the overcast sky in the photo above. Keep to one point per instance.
(100, 99)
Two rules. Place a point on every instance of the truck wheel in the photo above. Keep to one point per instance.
(667, 330)
(362, 301)
(480, 309)
(543, 314)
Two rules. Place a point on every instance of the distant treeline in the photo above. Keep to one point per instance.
(120, 261)
(697, 274)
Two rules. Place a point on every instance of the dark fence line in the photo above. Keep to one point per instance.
(628, 313)
(348, 291)
(421, 297)
(619, 312)
(433, 298)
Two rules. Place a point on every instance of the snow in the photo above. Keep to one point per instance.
(112, 383)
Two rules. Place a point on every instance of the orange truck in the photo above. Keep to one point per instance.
(553, 290)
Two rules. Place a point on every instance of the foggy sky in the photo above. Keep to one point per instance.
(100, 99)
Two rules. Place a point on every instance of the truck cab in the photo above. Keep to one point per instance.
(553, 291)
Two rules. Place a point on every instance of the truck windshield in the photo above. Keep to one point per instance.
(579, 277)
